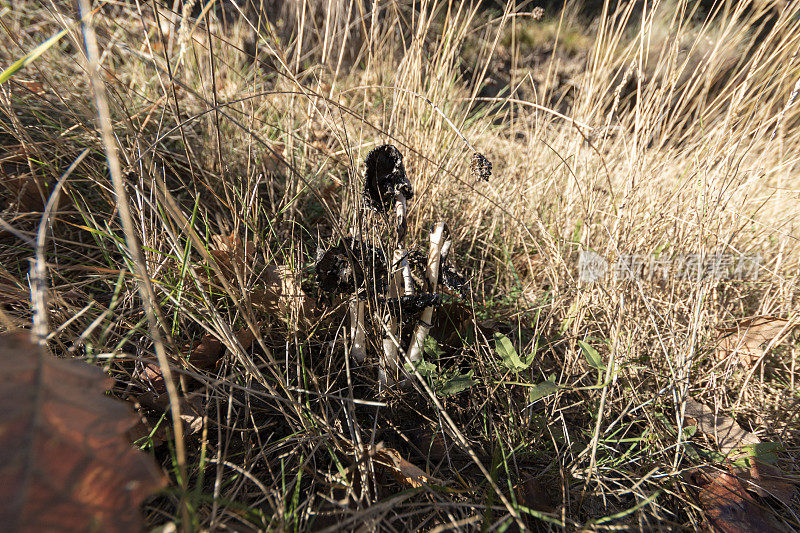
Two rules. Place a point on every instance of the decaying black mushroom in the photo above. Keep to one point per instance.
(385, 178)
(337, 273)
(447, 274)
(480, 167)
(411, 304)
(453, 280)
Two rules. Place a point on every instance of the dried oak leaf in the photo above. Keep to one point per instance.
(275, 289)
(761, 477)
(206, 353)
(749, 338)
(727, 505)
(728, 435)
(404, 472)
(533, 494)
(25, 192)
(767, 480)
(64, 462)
(232, 255)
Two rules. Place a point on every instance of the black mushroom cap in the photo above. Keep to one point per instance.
(348, 265)
(480, 167)
(411, 304)
(448, 276)
(385, 177)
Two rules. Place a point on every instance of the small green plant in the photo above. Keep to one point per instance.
(508, 355)
(543, 389)
(444, 382)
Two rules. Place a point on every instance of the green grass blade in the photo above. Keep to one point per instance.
(31, 57)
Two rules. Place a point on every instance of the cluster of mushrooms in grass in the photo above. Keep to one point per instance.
(401, 293)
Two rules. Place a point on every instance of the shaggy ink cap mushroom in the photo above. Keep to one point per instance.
(384, 178)
(336, 273)
(411, 304)
(480, 167)
(448, 276)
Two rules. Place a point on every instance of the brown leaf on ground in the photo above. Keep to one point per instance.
(749, 338)
(761, 478)
(152, 427)
(209, 350)
(725, 431)
(64, 462)
(272, 159)
(534, 495)
(25, 192)
(767, 480)
(192, 414)
(728, 507)
(36, 87)
(404, 472)
(276, 289)
(155, 390)
(282, 294)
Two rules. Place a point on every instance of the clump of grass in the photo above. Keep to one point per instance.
(240, 125)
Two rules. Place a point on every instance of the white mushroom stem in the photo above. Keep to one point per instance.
(390, 364)
(408, 281)
(446, 249)
(434, 258)
(357, 330)
(400, 209)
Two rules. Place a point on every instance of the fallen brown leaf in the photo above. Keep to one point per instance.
(36, 87)
(534, 495)
(404, 472)
(279, 288)
(232, 255)
(749, 338)
(25, 192)
(728, 435)
(272, 159)
(64, 462)
(767, 480)
(727, 505)
(207, 352)
(155, 393)
(761, 478)
(192, 415)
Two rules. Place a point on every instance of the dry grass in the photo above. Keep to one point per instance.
(671, 131)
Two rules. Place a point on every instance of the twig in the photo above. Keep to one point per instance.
(38, 272)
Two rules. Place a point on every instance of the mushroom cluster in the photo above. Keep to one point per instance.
(402, 293)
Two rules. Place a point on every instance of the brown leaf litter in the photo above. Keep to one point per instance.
(750, 337)
(275, 289)
(723, 494)
(207, 353)
(727, 505)
(65, 464)
(404, 472)
(727, 434)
